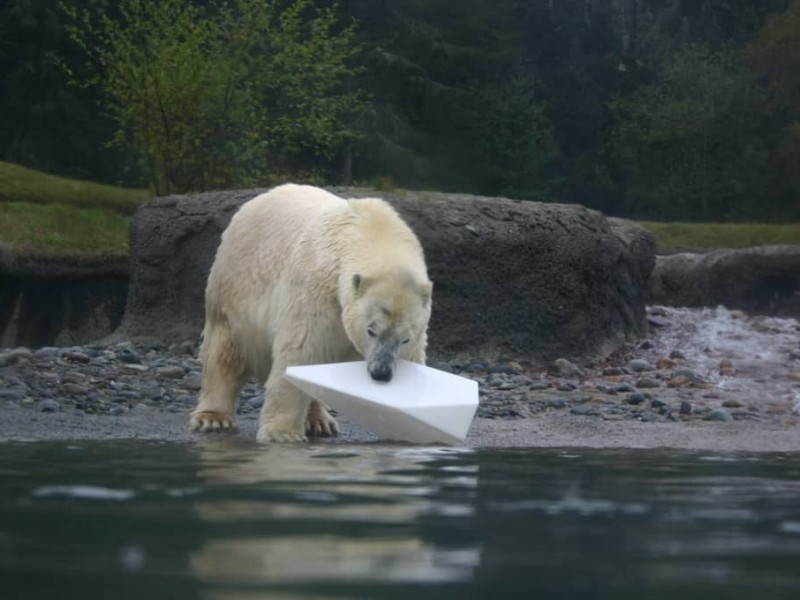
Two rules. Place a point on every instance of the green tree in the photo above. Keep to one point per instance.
(775, 55)
(220, 95)
(511, 142)
(688, 145)
(44, 122)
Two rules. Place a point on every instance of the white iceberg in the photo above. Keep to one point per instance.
(420, 404)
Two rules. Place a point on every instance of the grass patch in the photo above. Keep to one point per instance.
(707, 236)
(58, 229)
(20, 184)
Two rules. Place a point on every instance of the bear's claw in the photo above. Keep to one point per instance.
(319, 422)
(211, 420)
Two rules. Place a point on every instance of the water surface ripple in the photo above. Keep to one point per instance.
(233, 520)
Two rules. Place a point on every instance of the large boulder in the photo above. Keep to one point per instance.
(511, 278)
(764, 279)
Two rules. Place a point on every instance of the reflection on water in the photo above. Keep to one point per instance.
(357, 491)
(233, 520)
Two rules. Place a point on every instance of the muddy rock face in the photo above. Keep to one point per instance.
(511, 278)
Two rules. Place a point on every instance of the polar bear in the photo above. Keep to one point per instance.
(304, 277)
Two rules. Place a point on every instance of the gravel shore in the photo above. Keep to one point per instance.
(645, 396)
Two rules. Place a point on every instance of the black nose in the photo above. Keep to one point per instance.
(381, 373)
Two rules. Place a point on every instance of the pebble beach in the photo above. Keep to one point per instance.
(714, 372)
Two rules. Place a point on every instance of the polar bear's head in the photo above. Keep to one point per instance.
(387, 318)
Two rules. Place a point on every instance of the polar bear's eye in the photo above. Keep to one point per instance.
(405, 341)
(371, 332)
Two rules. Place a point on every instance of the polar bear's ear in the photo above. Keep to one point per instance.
(425, 290)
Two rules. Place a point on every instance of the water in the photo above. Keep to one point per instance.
(757, 345)
(765, 351)
(233, 520)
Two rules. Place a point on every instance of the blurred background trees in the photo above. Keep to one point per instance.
(660, 109)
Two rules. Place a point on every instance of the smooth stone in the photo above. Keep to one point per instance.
(677, 382)
(76, 356)
(689, 374)
(637, 365)
(686, 408)
(129, 356)
(613, 372)
(732, 403)
(192, 383)
(50, 378)
(647, 382)
(655, 321)
(12, 393)
(584, 410)
(666, 363)
(171, 372)
(565, 368)
(509, 368)
(74, 389)
(719, 414)
(49, 406)
(15, 355)
(118, 410)
(635, 398)
(648, 417)
(73, 377)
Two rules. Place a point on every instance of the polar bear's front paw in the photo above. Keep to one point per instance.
(319, 422)
(268, 433)
(211, 420)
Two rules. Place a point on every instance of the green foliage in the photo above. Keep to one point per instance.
(678, 236)
(775, 55)
(688, 143)
(513, 147)
(44, 122)
(63, 229)
(638, 107)
(21, 184)
(221, 95)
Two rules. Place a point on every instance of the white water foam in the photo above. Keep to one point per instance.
(765, 351)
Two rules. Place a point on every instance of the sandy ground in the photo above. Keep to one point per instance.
(551, 430)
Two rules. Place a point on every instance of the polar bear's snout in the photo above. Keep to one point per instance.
(382, 362)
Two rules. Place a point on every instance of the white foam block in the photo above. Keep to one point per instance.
(420, 404)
